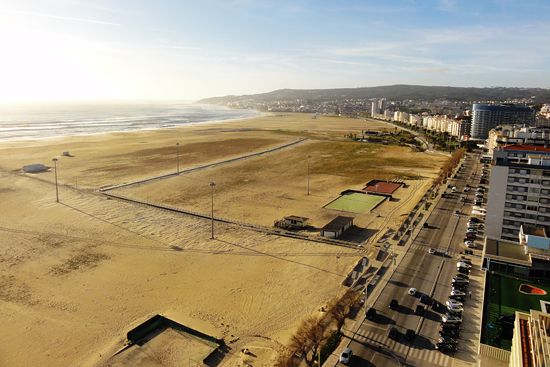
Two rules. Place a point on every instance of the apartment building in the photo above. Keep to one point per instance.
(487, 116)
(531, 340)
(519, 193)
(518, 135)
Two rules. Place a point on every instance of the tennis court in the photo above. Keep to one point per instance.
(355, 202)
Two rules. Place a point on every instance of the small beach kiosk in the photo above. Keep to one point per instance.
(336, 227)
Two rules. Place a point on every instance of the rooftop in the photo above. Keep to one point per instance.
(381, 187)
(506, 251)
(525, 147)
(337, 223)
(295, 217)
(533, 230)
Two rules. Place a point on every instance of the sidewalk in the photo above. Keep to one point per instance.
(399, 251)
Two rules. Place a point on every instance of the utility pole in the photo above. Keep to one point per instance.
(212, 186)
(56, 189)
(178, 157)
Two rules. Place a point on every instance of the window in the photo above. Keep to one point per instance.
(531, 207)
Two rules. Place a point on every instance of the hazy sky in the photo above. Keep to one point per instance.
(160, 49)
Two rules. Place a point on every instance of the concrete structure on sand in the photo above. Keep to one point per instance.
(336, 227)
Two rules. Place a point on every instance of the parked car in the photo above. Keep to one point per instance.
(458, 298)
(468, 242)
(456, 292)
(463, 264)
(410, 334)
(448, 340)
(451, 302)
(455, 312)
(471, 230)
(469, 252)
(371, 313)
(393, 333)
(444, 326)
(346, 356)
(462, 276)
(451, 319)
(471, 245)
(412, 291)
(466, 260)
(453, 333)
(394, 304)
(460, 282)
(419, 310)
(459, 287)
(445, 347)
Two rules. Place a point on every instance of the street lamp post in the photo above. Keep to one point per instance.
(178, 157)
(56, 189)
(212, 186)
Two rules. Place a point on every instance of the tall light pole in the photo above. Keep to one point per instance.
(178, 157)
(56, 189)
(212, 186)
(307, 159)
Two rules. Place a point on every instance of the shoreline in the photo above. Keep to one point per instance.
(258, 114)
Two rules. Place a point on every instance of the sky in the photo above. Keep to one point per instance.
(65, 50)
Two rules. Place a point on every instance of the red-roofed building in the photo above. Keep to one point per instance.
(530, 148)
(384, 188)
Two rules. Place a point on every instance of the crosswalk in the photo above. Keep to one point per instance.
(415, 356)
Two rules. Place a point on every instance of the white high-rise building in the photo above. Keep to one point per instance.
(519, 192)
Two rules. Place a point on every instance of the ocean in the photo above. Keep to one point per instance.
(19, 122)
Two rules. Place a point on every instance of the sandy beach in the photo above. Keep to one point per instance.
(77, 275)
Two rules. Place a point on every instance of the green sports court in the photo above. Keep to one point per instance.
(355, 202)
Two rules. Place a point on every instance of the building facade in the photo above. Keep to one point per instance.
(517, 134)
(519, 192)
(531, 340)
(487, 116)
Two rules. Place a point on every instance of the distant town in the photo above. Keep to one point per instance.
(462, 120)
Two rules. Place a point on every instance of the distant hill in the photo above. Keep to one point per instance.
(393, 92)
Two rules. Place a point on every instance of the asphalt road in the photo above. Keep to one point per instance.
(430, 274)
